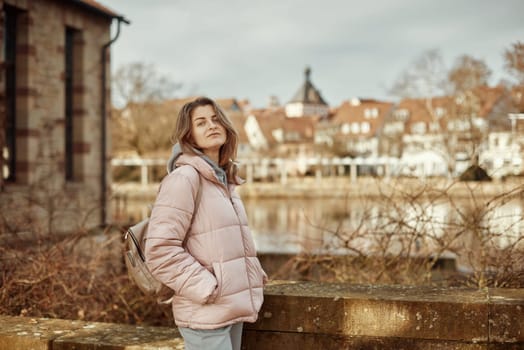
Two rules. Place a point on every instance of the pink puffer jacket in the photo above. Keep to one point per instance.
(213, 270)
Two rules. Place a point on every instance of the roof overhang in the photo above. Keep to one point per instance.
(100, 9)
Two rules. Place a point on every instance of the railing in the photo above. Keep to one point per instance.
(142, 163)
(280, 168)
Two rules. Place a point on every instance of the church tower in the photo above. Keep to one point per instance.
(307, 100)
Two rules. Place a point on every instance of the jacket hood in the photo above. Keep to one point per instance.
(200, 162)
(175, 153)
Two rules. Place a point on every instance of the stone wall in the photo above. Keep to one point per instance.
(339, 316)
(306, 315)
(40, 107)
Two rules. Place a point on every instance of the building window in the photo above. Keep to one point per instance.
(440, 112)
(292, 136)
(419, 128)
(399, 127)
(69, 72)
(434, 126)
(402, 114)
(74, 148)
(371, 113)
(278, 135)
(9, 57)
(479, 123)
(365, 127)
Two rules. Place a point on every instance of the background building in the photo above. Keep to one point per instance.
(54, 102)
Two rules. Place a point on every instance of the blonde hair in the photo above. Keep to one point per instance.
(184, 137)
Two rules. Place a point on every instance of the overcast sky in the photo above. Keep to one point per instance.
(255, 49)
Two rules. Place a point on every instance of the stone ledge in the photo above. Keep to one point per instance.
(311, 315)
(440, 318)
(23, 333)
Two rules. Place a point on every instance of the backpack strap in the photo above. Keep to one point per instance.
(197, 204)
(198, 197)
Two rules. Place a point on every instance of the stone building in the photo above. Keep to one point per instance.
(54, 103)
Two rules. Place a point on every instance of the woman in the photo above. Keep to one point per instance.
(209, 260)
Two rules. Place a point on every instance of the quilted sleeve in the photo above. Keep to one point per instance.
(167, 259)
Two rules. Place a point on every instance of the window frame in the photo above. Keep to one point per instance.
(10, 33)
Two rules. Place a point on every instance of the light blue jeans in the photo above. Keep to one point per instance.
(225, 338)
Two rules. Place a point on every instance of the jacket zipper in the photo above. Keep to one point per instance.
(228, 194)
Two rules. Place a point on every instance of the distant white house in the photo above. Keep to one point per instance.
(452, 131)
(354, 128)
(255, 134)
(421, 164)
(503, 153)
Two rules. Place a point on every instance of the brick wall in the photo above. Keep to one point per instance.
(40, 108)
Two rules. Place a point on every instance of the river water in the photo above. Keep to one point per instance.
(294, 225)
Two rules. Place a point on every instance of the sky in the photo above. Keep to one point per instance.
(257, 49)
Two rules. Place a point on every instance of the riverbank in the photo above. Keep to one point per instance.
(344, 187)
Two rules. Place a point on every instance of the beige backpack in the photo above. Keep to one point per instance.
(135, 240)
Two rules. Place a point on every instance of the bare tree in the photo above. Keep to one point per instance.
(468, 77)
(424, 81)
(468, 73)
(514, 64)
(514, 61)
(455, 118)
(140, 83)
(424, 77)
(144, 121)
(404, 236)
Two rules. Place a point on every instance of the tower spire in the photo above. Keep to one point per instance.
(307, 73)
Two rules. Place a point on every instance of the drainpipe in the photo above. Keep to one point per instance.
(103, 160)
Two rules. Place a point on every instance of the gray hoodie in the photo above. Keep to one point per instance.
(177, 151)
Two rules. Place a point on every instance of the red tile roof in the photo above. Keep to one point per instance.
(426, 110)
(269, 120)
(489, 97)
(423, 110)
(372, 112)
(295, 130)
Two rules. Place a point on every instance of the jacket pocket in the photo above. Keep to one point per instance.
(263, 273)
(217, 271)
(257, 275)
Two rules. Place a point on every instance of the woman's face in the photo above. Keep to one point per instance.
(207, 132)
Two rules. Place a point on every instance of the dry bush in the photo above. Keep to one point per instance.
(493, 241)
(410, 238)
(78, 276)
(52, 265)
(81, 275)
(47, 271)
